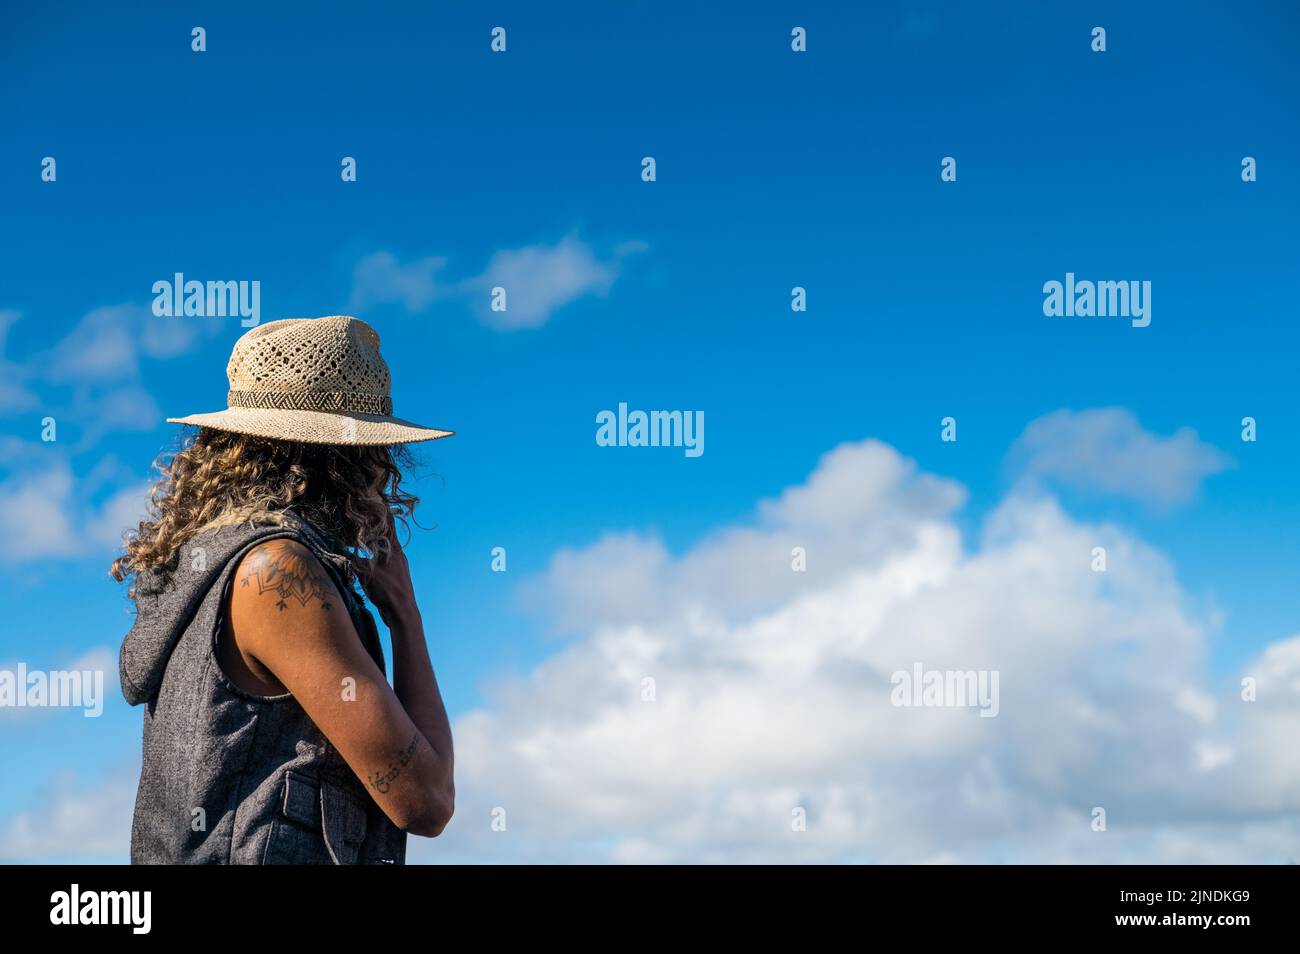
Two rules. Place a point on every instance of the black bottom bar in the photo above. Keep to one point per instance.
(205, 904)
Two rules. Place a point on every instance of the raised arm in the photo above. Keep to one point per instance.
(289, 617)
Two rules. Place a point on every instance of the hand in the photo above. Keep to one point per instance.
(388, 584)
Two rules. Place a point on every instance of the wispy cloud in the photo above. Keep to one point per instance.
(15, 395)
(108, 343)
(380, 279)
(73, 821)
(91, 376)
(90, 382)
(1106, 451)
(538, 280)
(46, 513)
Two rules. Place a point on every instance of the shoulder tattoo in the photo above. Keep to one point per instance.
(289, 573)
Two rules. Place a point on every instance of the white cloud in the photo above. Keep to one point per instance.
(90, 384)
(773, 693)
(127, 407)
(74, 821)
(106, 345)
(122, 511)
(45, 513)
(102, 346)
(843, 518)
(381, 279)
(91, 377)
(35, 521)
(538, 279)
(1106, 451)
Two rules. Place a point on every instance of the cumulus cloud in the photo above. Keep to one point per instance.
(1107, 451)
(538, 280)
(771, 695)
(840, 519)
(706, 698)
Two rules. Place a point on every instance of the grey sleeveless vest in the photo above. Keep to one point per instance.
(229, 777)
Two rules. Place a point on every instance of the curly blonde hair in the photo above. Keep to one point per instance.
(218, 478)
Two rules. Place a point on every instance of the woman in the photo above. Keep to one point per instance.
(271, 734)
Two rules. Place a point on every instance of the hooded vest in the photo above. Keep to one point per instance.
(228, 776)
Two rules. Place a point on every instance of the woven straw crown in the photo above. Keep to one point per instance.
(326, 364)
(318, 380)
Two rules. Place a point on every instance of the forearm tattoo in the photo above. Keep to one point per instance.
(289, 574)
(382, 781)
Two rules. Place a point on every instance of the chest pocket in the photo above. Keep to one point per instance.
(318, 824)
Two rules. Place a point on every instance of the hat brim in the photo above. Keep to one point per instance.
(314, 427)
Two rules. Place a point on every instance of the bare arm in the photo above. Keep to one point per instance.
(288, 616)
(388, 584)
(417, 687)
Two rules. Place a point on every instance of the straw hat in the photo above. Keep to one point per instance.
(314, 380)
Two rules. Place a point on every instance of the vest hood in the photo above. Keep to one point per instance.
(165, 606)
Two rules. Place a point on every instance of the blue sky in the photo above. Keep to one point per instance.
(774, 169)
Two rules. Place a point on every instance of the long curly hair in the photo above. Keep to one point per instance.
(218, 478)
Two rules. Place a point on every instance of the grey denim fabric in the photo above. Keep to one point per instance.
(229, 777)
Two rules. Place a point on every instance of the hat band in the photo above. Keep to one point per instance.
(335, 402)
